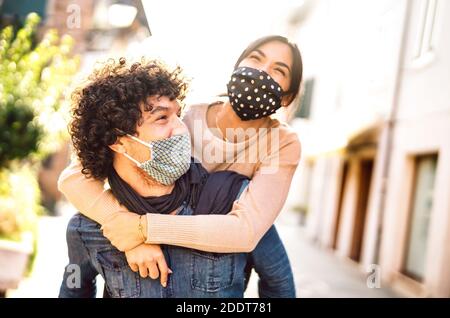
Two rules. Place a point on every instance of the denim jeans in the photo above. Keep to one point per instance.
(196, 274)
(270, 261)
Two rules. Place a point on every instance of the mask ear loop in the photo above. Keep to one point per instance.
(132, 159)
(149, 145)
(141, 142)
(119, 131)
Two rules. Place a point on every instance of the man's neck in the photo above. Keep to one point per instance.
(139, 180)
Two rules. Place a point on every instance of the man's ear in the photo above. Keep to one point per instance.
(286, 100)
(118, 146)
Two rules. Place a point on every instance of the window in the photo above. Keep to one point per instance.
(426, 37)
(304, 109)
(420, 215)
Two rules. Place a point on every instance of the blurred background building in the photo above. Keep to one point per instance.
(374, 117)
(375, 127)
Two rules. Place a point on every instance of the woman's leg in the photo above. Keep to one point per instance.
(271, 262)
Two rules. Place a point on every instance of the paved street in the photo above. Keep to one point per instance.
(317, 272)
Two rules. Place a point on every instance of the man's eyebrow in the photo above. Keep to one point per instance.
(158, 109)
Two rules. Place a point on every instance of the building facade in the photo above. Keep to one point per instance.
(375, 173)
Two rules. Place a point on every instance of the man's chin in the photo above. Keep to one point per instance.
(149, 180)
(145, 177)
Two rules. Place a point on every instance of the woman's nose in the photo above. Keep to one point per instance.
(265, 67)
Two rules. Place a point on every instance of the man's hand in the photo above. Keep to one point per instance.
(149, 260)
(122, 229)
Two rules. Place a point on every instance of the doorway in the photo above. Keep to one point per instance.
(364, 182)
(340, 203)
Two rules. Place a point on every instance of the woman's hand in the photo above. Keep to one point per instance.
(149, 260)
(122, 229)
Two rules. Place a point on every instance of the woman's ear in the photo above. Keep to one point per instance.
(286, 100)
(118, 146)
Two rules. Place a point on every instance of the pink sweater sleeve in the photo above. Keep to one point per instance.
(251, 216)
(238, 231)
(88, 195)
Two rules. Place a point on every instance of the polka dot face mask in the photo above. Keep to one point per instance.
(253, 93)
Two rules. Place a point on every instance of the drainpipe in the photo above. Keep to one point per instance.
(390, 131)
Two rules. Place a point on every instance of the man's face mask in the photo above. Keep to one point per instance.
(253, 93)
(169, 158)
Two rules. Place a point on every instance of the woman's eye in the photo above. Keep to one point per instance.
(279, 70)
(162, 118)
(254, 57)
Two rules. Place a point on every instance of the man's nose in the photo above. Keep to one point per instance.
(178, 127)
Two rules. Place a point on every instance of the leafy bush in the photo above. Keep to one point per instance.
(33, 117)
(19, 202)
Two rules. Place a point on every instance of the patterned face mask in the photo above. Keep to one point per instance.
(169, 158)
(253, 93)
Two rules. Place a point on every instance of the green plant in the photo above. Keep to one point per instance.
(33, 78)
(33, 117)
(19, 202)
(19, 134)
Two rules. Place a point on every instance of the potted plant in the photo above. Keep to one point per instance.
(33, 116)
(19, 208)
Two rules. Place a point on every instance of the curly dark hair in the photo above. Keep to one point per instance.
(108, 107)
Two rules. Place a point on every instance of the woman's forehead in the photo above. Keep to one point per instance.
(276, 50)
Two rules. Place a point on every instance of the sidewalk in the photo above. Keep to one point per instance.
(50, 260)
(317, 272)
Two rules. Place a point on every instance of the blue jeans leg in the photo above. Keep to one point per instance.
(91, 254)
(79, 279)
(271, 262)
(196, 274)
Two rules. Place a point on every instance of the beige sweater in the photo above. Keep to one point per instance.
(240, 230)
